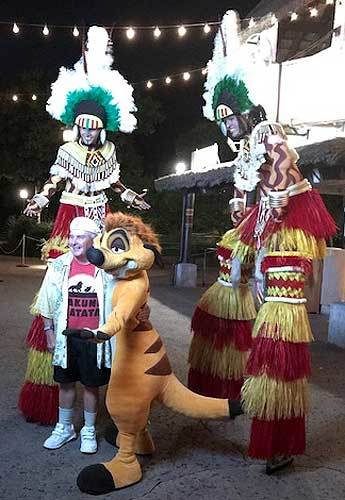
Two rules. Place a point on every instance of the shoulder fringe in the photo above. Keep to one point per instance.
(86, 178)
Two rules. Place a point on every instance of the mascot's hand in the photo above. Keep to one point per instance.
(86, 334)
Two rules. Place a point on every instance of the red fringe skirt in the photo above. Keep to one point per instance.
(218, 334)
(306, 211)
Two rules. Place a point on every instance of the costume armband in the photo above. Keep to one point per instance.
(236, 205)
(128, 196)
(40, 199)
(278, 199)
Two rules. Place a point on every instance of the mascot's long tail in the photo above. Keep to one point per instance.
(181, 399)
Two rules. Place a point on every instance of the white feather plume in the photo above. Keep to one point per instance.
(232, 61)
(99, 74)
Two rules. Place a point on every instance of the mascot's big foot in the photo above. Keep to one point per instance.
(124, 470)
(144, 444)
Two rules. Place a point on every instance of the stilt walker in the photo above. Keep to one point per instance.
(222, 321)
(92, 98)
(286, 230)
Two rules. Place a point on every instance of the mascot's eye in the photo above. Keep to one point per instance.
(118, 246)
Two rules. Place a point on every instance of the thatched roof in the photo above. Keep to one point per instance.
(196, 180)
(330, 154)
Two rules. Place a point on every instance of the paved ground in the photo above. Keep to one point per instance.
(193, 460)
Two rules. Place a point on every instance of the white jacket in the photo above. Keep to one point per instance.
(52, 303)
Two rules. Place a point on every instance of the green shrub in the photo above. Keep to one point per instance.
(17, 226)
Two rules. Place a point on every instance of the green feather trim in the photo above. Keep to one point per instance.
(235, 87)
(102, 97)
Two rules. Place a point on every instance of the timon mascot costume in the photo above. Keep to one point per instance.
(141, 372)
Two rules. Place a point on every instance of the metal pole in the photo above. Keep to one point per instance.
(279, 90)
(23, 250)
(204, 267)
(187, 225)
(22, 264)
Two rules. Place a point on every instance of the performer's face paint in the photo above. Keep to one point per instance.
(234, 126)
(79, 243)
(89, 136)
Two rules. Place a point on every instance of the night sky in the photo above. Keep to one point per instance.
(138, 60)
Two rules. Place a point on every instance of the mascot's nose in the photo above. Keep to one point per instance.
(95, 256)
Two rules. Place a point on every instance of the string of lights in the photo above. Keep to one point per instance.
(168, 79)
(157, 30)
(130, 31)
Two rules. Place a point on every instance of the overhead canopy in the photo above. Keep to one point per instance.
(330, 154)
(323, 155)
(281, 8)
(196, 180)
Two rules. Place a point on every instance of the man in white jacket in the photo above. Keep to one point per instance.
(76, 294)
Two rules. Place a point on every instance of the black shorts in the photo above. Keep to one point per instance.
(82, 365)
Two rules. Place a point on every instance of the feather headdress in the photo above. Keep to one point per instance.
(226, 91)
(93, 90)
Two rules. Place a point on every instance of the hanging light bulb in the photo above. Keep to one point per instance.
(75, 31)
(251, 23)
(314, 12)
(149, 84)
(207, 28)
(157, 32)
(68, 135)
(204, 71)
(186, 76)
(294, 16)
(180, 167)
(130, 33)
(34, 97)
(15, 28)
(181, 31)
(15, 98)
(45, 30)
(168, 80)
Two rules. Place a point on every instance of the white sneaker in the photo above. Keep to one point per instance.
(88, 442)
(61, 435)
